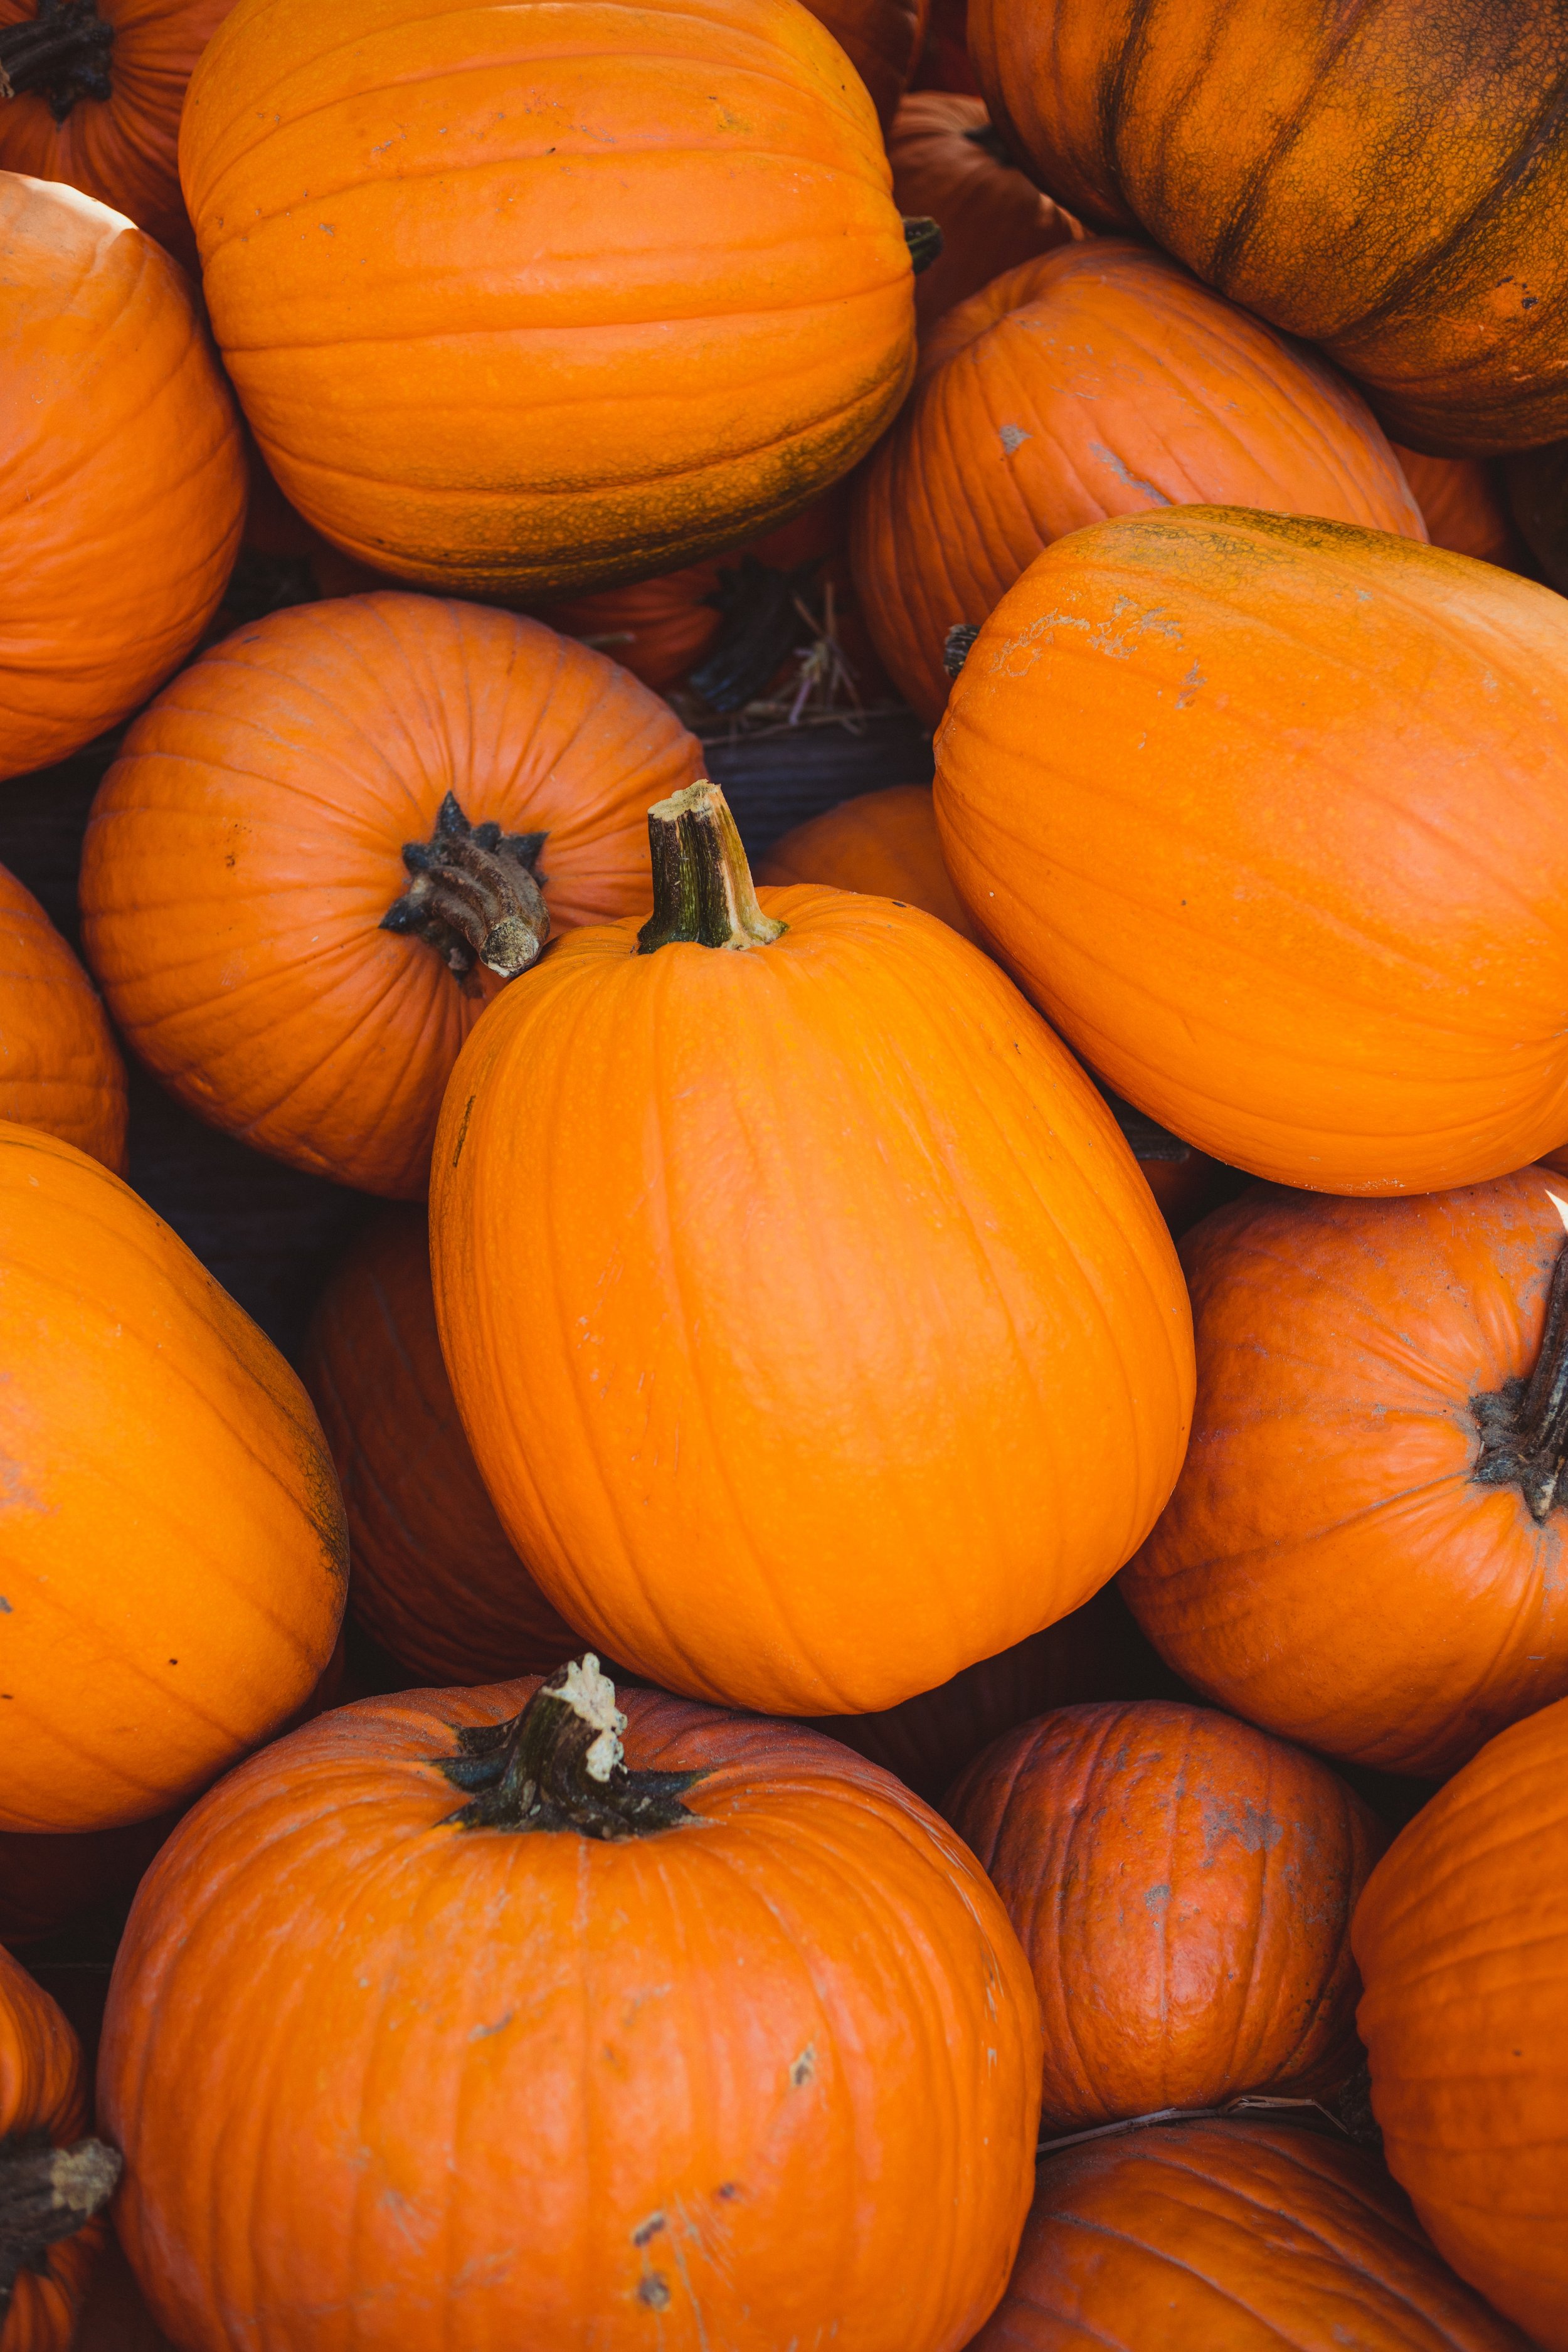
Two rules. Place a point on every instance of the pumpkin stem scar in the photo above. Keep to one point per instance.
(1524, 1424)
(557, 1766)
(702, 888)
(474, 895)
(47, 2193)
(63, 52)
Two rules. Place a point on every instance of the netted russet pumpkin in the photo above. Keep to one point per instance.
(59, 1065)
(54, 2180)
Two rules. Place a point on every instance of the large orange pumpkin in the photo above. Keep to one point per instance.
(53, 2180)
(1183, 1886)
(950, 166)
(1230, 2237)
(59, 1065)
(1462, 1937)
(1310, 913)
(884, 844)
(1101, 380)
(172, 1550)
(662, 2071)
(736, 1446)
(124, 477)
(246, 850)
(1386, 180)
(554, 314)
(435, 1580)
(882, 39)
(1462, 508)
(1366, 1549)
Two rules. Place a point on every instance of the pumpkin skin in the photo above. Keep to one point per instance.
(245, 846)
(42, 2090)
(59, 1065)
(753, 339)
(1304, 1002)
(882, 40)
(1462, 1937)
(1239, 2237)
(172, 1554)
(772, 2050)
(1329, 1565)
(1388, 185)
(1461, 507)
(883, 844)
(435, 1580)
(948, 166)
(1100, 379)
(124, 478)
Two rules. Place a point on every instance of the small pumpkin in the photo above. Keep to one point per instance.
(1462, 1937)
(1299, 999)
(884, 844)
(279, 866)
(1099, 380)
(54, 2179)
(733, 1450)
(1462, 508)
(665, 2065)
(1362, 1550)
(950, 166)
(59, 1065)
(125, 479)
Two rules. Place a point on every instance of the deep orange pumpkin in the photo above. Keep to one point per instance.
(1311, 915)
(1362, 1550)
(639, 2076)
(884, 844)
(882, 40)
(59, 1065)
(950, 166)
(246, 848)
(678, 255)
(46, 2256)
(1101, 380)
(124, 477)
(1462, 508)
(1462, 1937)
(1387, 181)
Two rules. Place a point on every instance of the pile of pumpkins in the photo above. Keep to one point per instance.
(914, 1767)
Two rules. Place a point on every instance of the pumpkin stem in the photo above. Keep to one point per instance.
(957, 646)
(557, 1766)
(702, 890)
(47, 2193)
(762, 611)
(474, 895)
(1524, 1424)
(63, 51)
(923, 237)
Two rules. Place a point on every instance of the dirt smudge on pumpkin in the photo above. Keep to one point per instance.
(803, 2068)
(1254, 1827)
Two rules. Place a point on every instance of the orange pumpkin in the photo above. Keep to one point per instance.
(883, 844)
(114, 2317)
(664, 2067)
(1387, 182)
(751, 337)
(733, 1450)
(1101, 380)
(1462, 1937)
(950, 166)
(174, 1558)
(1364, 1547)
(247, 849)
(435, 1580)
(53, 2180)
(944, 58)
(59, 1065)
(1364, 1002)
(124, 478)
(882, 40)
(1461, 507)
(1231, 2237)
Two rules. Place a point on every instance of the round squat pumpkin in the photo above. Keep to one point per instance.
(732, 1448)
(334, 835)
(1462, 1937)
(171, 1553)
(1365, 1548)
(124, 481)
(435, 1580)
(556, 315)
(884, 844)
(59, 1065)
(950, 166)
(1100, 379)
(1387, 181)
(54, 2179)
(1253, 893)
(661, 2069)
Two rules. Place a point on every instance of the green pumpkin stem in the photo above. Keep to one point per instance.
(1524, 1424)
(47, 2193)
(702, 888)
(474, 895)
(62, 52)
(557, 1766)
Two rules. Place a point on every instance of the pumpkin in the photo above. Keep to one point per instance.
(125, 481)
(279, 867)
(752, 337)
(173, 1556)
(1099, 380)
(944, 58)
(950, 166)
(59, 1065)
(1183, 1886)
(53, 2180)
(47, 1881)
(1461, 507)
(1388, 184)
(883, 844)
(1236, 2237)
(1462, 1937)
(1364, 1002)
(662, 2070)
(114, 2317)
(731, 1450)
(435, 1580)
(1362, 1549)
(882, 40)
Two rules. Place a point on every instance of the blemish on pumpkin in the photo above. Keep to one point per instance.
(1012, 436)
(1156, 1898)
(463, 1130)
(1254, 1828)
(483, 2033)
(1124, 473)
(648, 2228)
(5, 1608)
(654, 2291)
(805, 2067)
(728, 2189)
